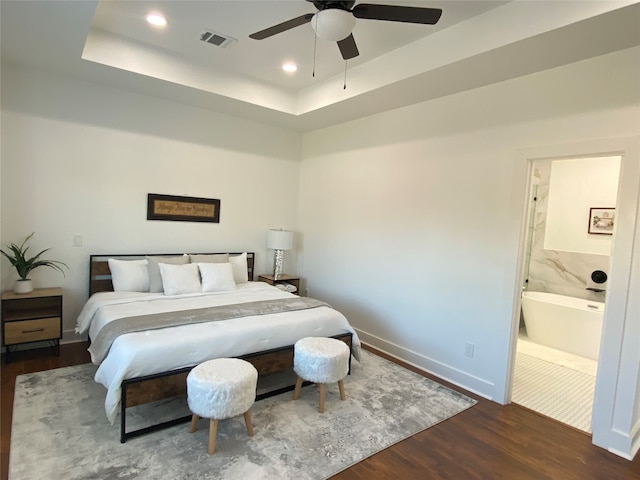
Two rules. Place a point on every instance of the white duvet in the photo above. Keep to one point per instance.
(154, 351)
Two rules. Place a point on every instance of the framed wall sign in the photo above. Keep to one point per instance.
(182, 209)
(601, 220)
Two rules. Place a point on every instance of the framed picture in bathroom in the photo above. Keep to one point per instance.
(601, 220)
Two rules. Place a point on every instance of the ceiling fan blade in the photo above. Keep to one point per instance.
(282, 27)
(348, 47)
(396, 13)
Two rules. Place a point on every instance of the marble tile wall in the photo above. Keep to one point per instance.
(553, 271)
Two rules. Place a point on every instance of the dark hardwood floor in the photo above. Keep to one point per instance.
(487, 441)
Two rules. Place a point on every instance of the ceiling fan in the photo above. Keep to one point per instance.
(335, 20)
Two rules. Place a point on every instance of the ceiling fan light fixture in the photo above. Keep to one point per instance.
(333, 24)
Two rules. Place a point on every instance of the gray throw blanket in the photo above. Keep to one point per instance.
(102, 343)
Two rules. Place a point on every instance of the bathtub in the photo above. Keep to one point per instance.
(570, 324)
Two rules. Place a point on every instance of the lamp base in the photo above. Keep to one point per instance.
(278, 260)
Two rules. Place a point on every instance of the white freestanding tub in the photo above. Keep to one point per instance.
(570, 324)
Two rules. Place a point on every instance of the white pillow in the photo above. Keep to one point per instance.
(129, 275)
(179, 279)
(155, 279)
(217, 277)
(239, 266)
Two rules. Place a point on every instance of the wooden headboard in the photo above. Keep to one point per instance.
(100, 274)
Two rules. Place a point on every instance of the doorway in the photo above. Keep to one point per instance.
(613, 416)
(563, 307)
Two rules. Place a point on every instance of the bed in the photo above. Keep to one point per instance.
(145, 338)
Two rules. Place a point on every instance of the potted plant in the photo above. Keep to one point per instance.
(17, 255)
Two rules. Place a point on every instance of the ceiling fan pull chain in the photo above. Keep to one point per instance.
(344, 87)
(315, 43)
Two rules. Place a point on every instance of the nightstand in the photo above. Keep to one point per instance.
(31, 317)
(284, 278)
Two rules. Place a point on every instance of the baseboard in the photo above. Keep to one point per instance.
(447, 373)
(625, 445)
(635, 443)
(70, 336)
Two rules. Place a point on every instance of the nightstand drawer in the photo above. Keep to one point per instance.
(32, 330)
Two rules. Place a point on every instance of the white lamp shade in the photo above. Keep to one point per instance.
(280, 239)
(333, 24)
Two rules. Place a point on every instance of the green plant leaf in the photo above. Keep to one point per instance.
(23, 265)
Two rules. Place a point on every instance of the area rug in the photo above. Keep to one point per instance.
(60, 429)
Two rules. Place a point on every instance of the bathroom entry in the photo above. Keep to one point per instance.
(564, 288)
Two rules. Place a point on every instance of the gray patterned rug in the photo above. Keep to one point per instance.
(60, 429)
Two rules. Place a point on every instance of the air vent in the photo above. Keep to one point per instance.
(217, 39)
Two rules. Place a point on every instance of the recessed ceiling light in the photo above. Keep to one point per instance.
(156, 19)
(289, 67)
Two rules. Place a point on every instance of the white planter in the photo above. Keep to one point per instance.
(23, 286)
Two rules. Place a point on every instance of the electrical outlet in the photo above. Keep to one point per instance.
(468, 349)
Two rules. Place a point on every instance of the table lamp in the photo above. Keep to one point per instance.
(279, 240)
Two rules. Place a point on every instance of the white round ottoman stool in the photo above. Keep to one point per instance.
(218, 389)
(320, 360)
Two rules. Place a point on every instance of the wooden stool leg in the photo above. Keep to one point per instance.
(296, 391)
(323, 387)
(194, 423)
(247, 420)
(341, 386)
(213, 432)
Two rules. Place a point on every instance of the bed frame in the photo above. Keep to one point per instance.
(150, 388)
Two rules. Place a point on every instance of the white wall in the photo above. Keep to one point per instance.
(408, 217)
(576, 185)
(80, 158)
